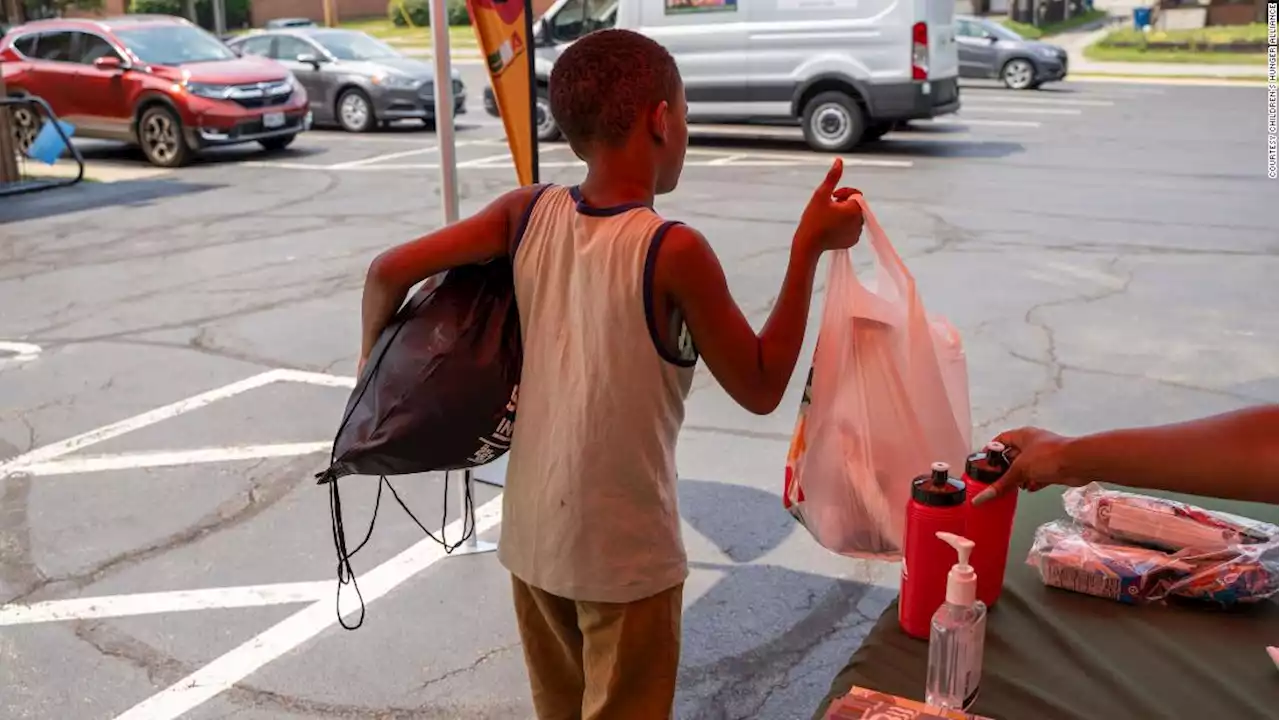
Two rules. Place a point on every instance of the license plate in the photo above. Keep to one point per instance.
(273, 120)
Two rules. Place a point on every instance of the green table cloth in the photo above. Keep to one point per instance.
(1057, 655)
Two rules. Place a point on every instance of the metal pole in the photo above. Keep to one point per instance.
(219, 17)
(444, 111)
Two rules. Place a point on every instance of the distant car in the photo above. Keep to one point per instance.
(353, 79)
(988, 49)
(281, 23)
(154, 80)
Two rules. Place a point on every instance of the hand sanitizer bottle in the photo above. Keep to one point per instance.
(956, 635)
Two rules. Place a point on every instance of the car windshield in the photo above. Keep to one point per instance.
(1001, 32)
(173, 45)
(355, 46)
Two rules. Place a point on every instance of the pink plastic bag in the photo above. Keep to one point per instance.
(888, 394)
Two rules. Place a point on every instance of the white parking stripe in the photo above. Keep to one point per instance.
(981, 123)
(388, 156)
(967, 108)
(111, 606)
(1012, 100)
(232, 667)
(172, 458)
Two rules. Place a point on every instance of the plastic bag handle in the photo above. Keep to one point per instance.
(865, 303)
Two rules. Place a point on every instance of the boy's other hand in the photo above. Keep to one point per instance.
(833, 218)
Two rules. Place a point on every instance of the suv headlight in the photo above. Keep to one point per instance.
(1050, 53)
(208, 90)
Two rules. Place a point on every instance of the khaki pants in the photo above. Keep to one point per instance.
(600, 661)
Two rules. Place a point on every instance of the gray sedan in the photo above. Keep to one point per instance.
(353, 79)
(988, 49)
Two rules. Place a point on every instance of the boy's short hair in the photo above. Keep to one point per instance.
(605, 81)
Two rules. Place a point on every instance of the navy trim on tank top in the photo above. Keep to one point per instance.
(650, 315)
(524, 222)
(585, 209)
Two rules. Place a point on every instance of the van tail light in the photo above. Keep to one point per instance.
(920, 51)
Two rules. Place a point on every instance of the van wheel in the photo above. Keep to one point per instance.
(833, 122)
(160, 135)
(548, 130)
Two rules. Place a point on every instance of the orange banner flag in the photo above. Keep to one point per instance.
(504, 29)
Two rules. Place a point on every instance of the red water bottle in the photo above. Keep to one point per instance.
(989, 525)
(937, 505)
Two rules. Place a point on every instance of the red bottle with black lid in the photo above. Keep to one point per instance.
(990, 524)
(937, 505)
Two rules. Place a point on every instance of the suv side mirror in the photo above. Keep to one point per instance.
(108, 62)
(544, 32)
(311, 59)
(992, 39)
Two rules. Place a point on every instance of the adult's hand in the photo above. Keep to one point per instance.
(1038, 459)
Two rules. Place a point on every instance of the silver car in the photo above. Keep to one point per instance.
(353, 79)
(988, 49)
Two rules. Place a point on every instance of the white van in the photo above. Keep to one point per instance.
(847, 70)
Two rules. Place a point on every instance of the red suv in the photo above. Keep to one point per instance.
(154, 80)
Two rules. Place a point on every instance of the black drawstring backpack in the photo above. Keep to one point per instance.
(438, 393)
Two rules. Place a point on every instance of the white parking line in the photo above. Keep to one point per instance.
(1015, 100)
(111, 606)
(232, 667)
(171, 458)
(981, 123)
(388, 156)
(968, 108)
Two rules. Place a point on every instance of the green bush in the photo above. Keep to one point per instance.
(237, 11)
(420, 12)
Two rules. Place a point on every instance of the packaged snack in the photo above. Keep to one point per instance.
(1161, 523)
(1077, 558)
(864, 704)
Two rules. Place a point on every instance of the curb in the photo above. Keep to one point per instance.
(1203, 80)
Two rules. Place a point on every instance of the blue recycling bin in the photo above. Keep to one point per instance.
(1141, 17)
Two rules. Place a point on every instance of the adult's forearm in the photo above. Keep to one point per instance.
(783, 333)
(1231, 456)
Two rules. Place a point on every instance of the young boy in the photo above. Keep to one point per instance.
(613, 300)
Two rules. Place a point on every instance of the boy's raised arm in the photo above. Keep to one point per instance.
(753, 369)
(482, 237)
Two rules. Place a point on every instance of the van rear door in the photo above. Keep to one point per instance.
(940, 15)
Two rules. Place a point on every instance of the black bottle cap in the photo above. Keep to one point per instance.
(938, 488)
(987, 465)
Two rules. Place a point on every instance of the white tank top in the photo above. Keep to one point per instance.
(590, 510)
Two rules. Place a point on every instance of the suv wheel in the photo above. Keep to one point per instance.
(833, 122)
(355, 111)
(1018, 74)
(160, 135)
(275, 144)
(25, 126)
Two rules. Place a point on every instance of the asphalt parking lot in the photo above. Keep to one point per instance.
(176, 349)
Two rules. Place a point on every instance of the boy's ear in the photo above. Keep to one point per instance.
(659, 122)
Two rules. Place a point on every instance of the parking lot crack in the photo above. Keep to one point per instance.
(1050, 360)
(482, 659)
(264, 493)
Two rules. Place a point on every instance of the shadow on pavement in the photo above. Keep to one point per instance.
(93, 195)
(763, 632)
(896, 144)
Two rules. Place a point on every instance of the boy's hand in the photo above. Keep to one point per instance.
(833, 218)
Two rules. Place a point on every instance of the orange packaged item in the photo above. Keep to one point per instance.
(864, 704)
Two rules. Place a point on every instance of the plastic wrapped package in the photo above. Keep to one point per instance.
(1077, 558)
(1162, 523)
